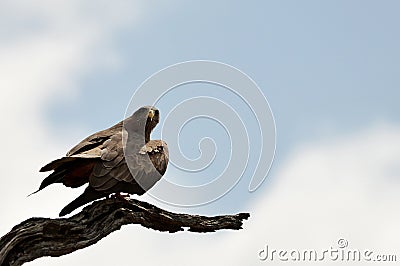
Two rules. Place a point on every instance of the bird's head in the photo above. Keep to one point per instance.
(143, 121)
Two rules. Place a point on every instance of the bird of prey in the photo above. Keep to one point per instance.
(120, 159)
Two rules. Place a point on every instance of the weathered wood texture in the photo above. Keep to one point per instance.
(40, 237)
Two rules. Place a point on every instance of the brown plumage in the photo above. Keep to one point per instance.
(102, 161)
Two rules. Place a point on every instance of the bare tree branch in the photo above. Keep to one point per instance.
(39, 237)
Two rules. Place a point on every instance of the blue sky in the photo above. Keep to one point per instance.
(329, 69)
(325, 67)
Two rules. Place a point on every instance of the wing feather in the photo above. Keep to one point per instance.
(96, 139)
(145, 166)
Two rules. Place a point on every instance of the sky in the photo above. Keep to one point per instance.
(330, 73)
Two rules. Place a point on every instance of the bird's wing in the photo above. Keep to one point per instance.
(95, 141)
(113, 168)
(89, 148)
(74, 169)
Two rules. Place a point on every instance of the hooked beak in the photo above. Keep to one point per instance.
(151, 114)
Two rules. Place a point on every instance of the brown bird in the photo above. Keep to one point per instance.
(119, 159)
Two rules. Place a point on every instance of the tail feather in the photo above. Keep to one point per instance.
(87, 196)
(55, 177)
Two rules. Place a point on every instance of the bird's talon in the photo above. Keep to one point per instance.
(120, 196)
